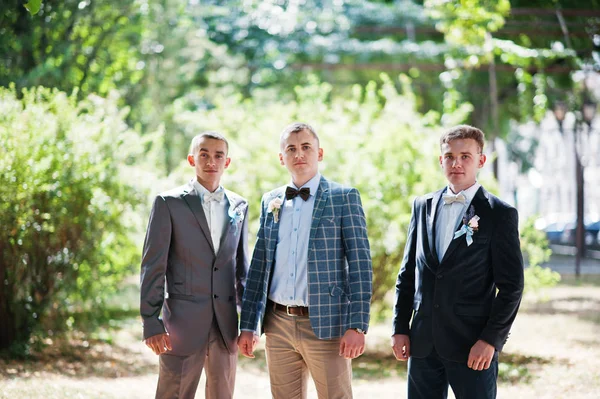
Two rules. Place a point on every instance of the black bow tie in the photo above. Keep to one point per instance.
(291, 192)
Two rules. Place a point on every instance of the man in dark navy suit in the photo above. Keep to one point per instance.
(461, 279)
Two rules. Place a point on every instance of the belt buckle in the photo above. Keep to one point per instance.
(287, 310)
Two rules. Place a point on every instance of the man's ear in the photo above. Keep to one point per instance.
(320, 154)
(227, 162)
(190, 159)
(281, 159)
(482, 159)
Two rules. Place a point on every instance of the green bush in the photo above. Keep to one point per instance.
(534, 246)
(65, 213)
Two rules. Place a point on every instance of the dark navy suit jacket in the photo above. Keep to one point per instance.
(473, 293)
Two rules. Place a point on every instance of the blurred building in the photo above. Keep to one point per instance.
(549, 188)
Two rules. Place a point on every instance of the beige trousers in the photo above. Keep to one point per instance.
(294, 351)
(179, 375)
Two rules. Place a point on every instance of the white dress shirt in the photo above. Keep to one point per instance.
(448, 218)
(215, 212)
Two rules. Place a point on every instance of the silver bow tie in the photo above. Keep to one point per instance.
(216, 196)
(451, 198)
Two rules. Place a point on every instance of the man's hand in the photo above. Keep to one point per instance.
(352, 344)
(401, 346)
(480, 356)
(159, 343)
(247, 341)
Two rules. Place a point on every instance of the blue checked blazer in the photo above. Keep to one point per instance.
(339, 263)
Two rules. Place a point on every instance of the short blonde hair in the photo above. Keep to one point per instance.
(296, 127)
(195, 145)
(463, 132)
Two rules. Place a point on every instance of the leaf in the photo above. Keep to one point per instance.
(33, 6)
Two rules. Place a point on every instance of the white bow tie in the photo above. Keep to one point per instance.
(216, 196)
(451, 198)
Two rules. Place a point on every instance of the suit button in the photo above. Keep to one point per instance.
(215, 296)
(440, 276)
(216, 268)
(436, 306)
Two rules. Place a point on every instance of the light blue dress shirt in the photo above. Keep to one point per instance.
(449, 217)
(290, 274)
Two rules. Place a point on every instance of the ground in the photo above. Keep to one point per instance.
(553, 352)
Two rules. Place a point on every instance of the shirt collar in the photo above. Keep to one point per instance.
(312, 184)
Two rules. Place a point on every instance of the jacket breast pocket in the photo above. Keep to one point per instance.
(327, 221)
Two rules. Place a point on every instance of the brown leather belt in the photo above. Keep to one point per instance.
(291, 310)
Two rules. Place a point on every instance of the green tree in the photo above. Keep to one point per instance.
(94, 46)
(66, 214)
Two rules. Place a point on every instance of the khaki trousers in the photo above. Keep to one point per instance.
(179, 375)
(294, 351)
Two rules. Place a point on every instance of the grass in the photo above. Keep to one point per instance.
(553, 352)
(585, 280)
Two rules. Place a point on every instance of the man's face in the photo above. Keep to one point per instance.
(210, 161)
(460, 160)
(301, 156)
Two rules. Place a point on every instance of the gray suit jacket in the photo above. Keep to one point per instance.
(179, 260)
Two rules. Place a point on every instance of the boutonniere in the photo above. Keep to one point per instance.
(274, 207)
(236, 216)
(470, 225)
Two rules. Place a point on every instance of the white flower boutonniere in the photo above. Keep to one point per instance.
(470, 225)
(236, 216)
(274, 207)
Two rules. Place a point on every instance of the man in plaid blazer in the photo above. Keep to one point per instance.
(309, 283)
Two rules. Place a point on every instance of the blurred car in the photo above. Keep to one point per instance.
(591, 232)
(554, 232)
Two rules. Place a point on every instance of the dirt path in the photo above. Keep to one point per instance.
(553, 352)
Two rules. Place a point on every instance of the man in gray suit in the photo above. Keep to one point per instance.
(196, 244)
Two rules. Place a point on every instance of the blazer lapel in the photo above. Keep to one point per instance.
(321, 197)
(192, 198)
(236, 207)
(431, 210)
(272, 227)
(482, 206)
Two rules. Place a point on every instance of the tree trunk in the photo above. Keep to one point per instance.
(494, 106)
(7, 324)
(580, 227)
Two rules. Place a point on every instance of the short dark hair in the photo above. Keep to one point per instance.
(195, 145)
(463, 132)
(296, 127)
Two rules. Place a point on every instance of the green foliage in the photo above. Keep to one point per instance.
(33, 6)
(534, 246)
(65, 216)
(176, 54)
(68, 44)
(467, 22)
(373, 140)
